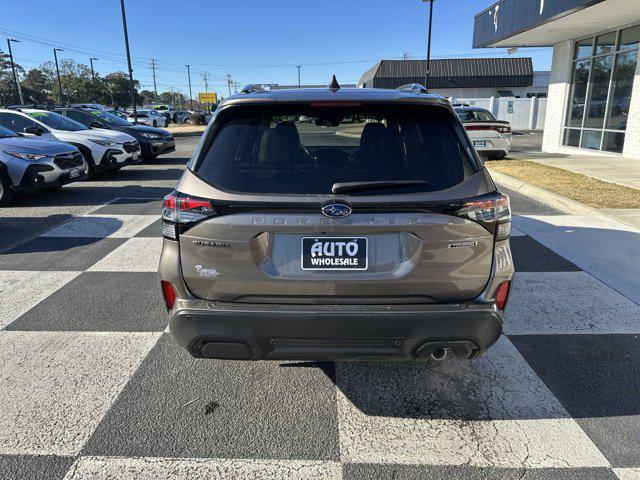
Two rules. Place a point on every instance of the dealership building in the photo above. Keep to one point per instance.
(593, 104)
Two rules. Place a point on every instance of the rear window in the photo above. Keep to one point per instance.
(306, 150)
(469, 116)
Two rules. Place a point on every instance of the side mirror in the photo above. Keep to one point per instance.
(33, 130)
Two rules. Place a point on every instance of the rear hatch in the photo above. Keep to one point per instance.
(364, 204)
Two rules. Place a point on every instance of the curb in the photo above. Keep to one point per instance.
(563, 204)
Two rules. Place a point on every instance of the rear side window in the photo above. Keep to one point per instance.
(306, 150)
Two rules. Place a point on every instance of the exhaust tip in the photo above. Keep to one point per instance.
(439, 354)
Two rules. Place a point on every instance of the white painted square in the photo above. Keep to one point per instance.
(627, 473)
(140, 254)
(567, 302)
(108, 468)
(21, 291)
(55, 387)
(490, 412)
(103, 226)
(607, 249)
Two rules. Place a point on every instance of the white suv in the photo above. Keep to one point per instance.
(104, 150)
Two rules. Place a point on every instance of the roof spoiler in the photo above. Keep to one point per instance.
(413, 87)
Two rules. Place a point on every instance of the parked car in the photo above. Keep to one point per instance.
(280, 243)
(148, 117)
(153, 141)
(28, 164)
(166, 110)
(91, 106)
(491, 137)
(181, 116)
(103, 150)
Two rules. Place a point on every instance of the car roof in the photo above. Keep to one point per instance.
(342, 94)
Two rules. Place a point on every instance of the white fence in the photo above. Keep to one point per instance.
(521, 113)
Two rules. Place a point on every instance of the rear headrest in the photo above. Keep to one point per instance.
(289, 129)
(371, 135)
(277, 147)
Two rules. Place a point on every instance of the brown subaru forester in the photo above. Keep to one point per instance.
(332, 224)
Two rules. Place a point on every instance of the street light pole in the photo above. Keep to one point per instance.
(93, 73)
(190, 94)
(132, 90)
(298, 67)
(155, 88)
(55, 56)
(13, 67)
(428, 72)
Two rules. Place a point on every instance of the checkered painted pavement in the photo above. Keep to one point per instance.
(92, 387)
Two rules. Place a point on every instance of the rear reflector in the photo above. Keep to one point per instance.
(502, 294)
(169, 294)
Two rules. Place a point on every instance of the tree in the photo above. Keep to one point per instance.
(36, 86)
(148, 97)
(172, 98)
(117, 85)
(7, 84)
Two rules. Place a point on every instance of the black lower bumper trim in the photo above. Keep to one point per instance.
(338, 334)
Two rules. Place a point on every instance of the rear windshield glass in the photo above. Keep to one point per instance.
(467, 116)
(306, 150)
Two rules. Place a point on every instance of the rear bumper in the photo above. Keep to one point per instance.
(334, 332)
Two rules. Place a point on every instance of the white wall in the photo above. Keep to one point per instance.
(486, 92)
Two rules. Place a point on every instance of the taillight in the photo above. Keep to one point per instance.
(496, 128)
(169, 294)
(493, 211)
(502, 295)
(179, 210)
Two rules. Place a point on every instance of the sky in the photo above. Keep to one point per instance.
(253, 41)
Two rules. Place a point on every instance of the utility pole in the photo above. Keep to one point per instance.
(426, 77)
(93, 73)
(132, 89)
(55, 56)
(205, 78)
(299, 85)
(13, 67)
(229, 82)
(190, 94)
(155, 88)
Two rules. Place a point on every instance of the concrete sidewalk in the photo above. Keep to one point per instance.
(623, 171)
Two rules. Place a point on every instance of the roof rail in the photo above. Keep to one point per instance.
(413, 87)
(253, 88)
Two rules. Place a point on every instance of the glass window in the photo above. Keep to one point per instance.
(15, 122)
(613, 142)
(584, 48)
(578, 94)
(82, 117)
(478, 115)
(606, 43)
(623, 78)
(57, 121)
(571, 137)
(306, 150)
(630, 38)
(591, 139)
(600, 77)
(110, 118)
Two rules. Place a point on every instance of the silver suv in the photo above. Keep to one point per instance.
(34, 164)
(369, 230)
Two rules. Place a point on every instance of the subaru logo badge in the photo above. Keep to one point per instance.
(336, 210)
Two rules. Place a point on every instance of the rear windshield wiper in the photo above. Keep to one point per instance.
(361, 186)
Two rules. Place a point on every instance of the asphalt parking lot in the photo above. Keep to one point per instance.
(92, 387)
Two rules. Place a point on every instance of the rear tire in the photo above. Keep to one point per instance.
(6, 195)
